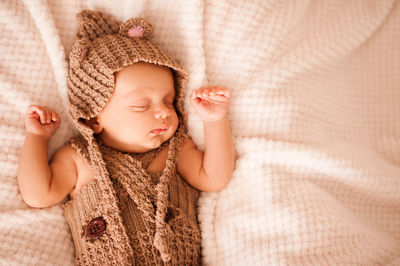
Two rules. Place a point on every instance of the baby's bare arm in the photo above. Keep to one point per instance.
(211, 170)
(41, 184)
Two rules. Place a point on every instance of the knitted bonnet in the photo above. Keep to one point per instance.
(102, 48)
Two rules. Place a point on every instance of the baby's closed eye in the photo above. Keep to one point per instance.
(140, 106)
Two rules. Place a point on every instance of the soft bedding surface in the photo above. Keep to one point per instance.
(315, 115)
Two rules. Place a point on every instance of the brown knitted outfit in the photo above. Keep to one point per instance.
(127, 215)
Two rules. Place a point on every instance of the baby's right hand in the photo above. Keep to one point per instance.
(42, 121)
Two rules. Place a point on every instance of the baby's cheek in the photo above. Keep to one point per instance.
(174, 121)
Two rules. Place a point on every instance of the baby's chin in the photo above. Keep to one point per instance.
(135, 148)
(153, 143)
(157, 141)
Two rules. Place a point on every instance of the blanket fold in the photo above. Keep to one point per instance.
(315, 116)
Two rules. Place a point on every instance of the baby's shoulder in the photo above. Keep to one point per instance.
(83, 173)
(187, 144)
(65, 153)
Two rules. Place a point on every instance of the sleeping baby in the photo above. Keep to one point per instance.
(132, 175)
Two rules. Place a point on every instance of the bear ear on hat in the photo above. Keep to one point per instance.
(136, 28)
(93, 24)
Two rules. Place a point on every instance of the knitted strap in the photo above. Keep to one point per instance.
(163, 231)
(89, 150)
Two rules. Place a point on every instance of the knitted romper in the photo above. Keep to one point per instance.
(104, 234)
(127, 215)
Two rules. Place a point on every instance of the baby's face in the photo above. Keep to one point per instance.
(140, 115)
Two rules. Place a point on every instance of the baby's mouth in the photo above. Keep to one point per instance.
(160, 129)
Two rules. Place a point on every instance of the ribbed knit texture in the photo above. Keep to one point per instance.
(142, 214)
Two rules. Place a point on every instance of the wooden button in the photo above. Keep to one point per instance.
(96, 228)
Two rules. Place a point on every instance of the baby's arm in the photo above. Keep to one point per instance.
(211, 170)
(41, 184)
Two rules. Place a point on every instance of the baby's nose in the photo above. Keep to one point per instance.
(162, 112)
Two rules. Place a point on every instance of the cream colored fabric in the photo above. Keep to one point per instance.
(315, 114)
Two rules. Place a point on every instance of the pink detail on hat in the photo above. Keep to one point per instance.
(135, 32)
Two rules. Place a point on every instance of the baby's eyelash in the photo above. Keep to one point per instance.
(139, 107)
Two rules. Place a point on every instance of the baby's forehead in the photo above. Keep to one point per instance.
(135, 91)
(144, 78)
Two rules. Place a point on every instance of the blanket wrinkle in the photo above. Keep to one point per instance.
(50, 36)
(314, 114)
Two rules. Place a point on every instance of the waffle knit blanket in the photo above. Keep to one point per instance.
(315, 115)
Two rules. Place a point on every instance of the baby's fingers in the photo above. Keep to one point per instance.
(220, 91)
(219, 98)
(196, 94)
(212, 94)
(45, 115)
(206, 92)
(35, 111)
(54, 116)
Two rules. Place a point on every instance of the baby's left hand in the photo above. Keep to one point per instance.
(211, 103)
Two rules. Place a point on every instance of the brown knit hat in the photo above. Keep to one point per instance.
(104, 47)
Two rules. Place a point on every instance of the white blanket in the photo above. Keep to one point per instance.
(315, 115)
